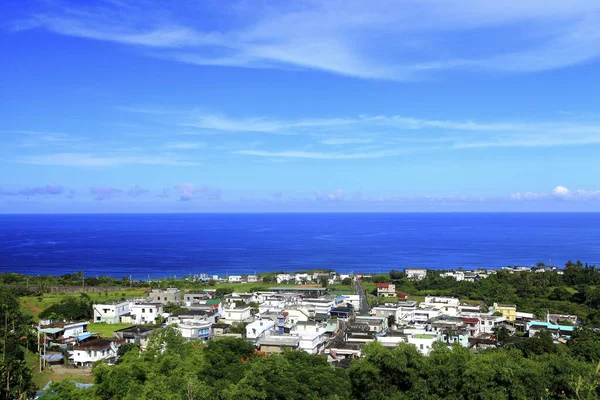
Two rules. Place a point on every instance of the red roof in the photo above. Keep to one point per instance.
(382, 285)
(470, 320)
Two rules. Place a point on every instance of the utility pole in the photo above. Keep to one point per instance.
(38, 341)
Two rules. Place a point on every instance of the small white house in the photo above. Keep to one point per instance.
(423, 342)
(145, 313)
(311, 342)
(260, 328)
(234, 279)
(193, 329)
(90, 351)
(110, 313)
(446, 305)
(285, 278)
(253, 278)
(416, 273)
(237, 314)
(422, 315)
(303, 278)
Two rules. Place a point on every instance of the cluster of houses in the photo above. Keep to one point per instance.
(316, 277)
(305, 318)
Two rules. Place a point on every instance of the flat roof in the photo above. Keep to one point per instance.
(279, 341)
(424, 336)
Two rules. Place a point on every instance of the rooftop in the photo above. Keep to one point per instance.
(288, 341)
(424, 336)
(96, 344)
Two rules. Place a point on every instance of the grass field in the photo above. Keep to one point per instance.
(106, 330)
(34, 305)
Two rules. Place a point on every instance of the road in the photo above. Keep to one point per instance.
(364, 306)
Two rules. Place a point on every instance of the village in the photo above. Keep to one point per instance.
(305, 317)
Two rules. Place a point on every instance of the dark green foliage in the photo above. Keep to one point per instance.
(15, 333)
(70, 309)
(173, 308)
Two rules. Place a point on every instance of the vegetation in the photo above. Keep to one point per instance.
(16, 335)
(520, 368)
(173, 368)
(575, 292)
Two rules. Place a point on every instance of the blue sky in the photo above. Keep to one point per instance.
(208, 106)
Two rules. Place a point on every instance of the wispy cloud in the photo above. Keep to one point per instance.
(49, 189)
(319, 155)
(92, 160)
(343, 141)
(186, 145)
(559, 193)
(189, 191)
(345, 38)
(104, 192)
(136, 191)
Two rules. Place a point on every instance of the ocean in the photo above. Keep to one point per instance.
(167, 245)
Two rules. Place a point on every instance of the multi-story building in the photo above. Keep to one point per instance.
(386, 290)
(170, 295)
(111, 312)
(446, 305)
(508, 311)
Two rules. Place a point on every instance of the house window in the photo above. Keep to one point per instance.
(143, 310)
(421, 347)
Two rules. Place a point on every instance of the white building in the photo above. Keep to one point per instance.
(234, 279)
(194, 329)
(90, 351)
(110, 313)
(253, 278)
(422, 315)
(386, 290)
(260, 328)
(487, 323)
(296, 315)
(311, 342)
(285, 278)
(318, 306)
(446, 305)
(74, 329)
(416, 273)
(237, 314)
(423, 342)
(402, 311)
(352, 299)
(303, 278)
(144, 313)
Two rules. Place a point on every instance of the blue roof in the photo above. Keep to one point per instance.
(550, 325)
(52, 357)
(85, 335)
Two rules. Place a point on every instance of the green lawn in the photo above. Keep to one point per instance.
(106, 330)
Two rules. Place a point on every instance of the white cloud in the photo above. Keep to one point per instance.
(342, 141)
(186, 145)
(91, 160)
(189, 191)
(319, 155)
(559, 193)
(345, 38)
(330, 196)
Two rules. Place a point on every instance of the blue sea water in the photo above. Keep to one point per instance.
(160, 245)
